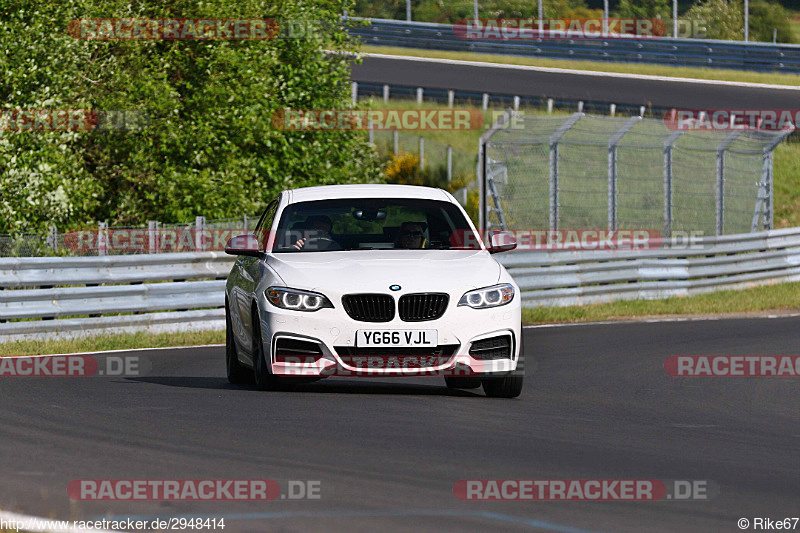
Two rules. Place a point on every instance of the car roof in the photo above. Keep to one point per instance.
(373, 190)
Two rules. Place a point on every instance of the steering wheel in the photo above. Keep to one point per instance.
(322, 243)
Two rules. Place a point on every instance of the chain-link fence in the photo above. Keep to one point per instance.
(101, 239)
(445, 160)
(585, 171)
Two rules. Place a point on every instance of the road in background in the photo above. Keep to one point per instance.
(387, 452)
(571, 86)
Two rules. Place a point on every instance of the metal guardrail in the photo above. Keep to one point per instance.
(29, 308)
(560, 278)
(737, 55)
(134, 289)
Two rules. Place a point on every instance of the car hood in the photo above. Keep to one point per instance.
(375, 270)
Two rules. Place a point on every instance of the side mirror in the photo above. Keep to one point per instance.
(501, 241)
(246, 244)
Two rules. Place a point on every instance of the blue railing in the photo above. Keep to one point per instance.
(737, 55)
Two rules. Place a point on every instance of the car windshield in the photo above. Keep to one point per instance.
(373, 224)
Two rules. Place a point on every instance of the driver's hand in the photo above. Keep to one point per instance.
(299, 244)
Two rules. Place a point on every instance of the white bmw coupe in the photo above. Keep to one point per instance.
(372, 280)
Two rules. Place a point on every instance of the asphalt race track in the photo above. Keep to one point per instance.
(571, 86)
(387, 452)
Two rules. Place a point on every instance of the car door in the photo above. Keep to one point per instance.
(250, 271)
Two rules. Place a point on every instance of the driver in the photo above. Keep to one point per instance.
(411, 235)
(317, 227)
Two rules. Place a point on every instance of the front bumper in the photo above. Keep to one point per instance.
(334, 332)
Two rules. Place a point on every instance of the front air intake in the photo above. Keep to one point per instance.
(423, 306)
(369, 307)
(492, 348)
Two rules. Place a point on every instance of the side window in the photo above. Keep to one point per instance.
(265, 223)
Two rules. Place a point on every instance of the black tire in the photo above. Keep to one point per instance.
(261, 375)
(510, 385)
(462, 383)
(237, 374)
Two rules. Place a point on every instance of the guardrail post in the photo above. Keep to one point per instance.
(52, 238)
(721, 147)
(451, 98)
(516, 103)
(554, 140)
(370, 131)
(612, 109)
(199, 228)
(485, 104)
(386, 94)
(449, 163)
(612, 169)
(396, 138)
(549, 106)
(668, 192)
(580, 106)
(419, 95)
(354, 92)
(102, 239)
(422, 153)
(152, 237)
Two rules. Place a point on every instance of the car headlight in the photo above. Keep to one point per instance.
(296, 300)
(488, 296)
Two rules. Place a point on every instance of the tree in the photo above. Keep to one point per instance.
(723, 19)
(207, 145)
(766, 16)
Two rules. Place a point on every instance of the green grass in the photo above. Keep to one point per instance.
(124, 341)
(782, 297)
(625, 68)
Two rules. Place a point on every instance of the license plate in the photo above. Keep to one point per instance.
(398, 338)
